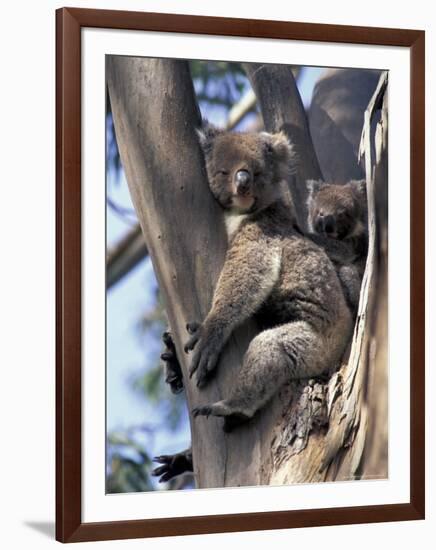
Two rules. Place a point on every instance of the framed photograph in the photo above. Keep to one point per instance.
(240, 274)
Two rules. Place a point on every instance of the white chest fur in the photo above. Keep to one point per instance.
(233, 221)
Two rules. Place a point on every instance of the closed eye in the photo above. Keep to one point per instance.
(222, 173)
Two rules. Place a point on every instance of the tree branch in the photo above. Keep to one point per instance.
(125, 255)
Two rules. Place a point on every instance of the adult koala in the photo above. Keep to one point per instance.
(271, 271)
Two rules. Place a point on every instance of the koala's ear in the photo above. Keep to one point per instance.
(359, 186)
(313, 186)
(280, 146)
(206, 135)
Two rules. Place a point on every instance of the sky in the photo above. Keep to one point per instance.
(128, 352)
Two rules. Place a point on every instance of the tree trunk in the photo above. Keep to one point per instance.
(155, 116)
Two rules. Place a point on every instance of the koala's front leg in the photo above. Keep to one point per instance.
(250, 271)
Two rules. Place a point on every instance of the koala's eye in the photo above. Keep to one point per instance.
(223, 173)
(257, 174)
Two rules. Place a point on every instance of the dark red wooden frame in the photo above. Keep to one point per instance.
(69, 526)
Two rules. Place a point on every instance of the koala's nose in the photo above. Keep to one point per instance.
(319, 225)
(329, 224)
(242, 180)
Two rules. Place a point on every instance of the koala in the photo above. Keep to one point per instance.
(272, 272)
(338, 221)
(340, 212)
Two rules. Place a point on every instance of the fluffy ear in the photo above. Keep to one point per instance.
(206, 135)
(283, 153)
(359, 186)
(280, 146)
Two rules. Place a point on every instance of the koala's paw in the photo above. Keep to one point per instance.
(207, 345)
(173, 371)
(194, 329)
(172, 465)
(204, 410)
(232, 418)
(204, 360)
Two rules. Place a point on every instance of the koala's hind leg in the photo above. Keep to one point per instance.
(274, 357)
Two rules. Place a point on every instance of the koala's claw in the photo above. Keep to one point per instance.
(172, 465)
(167, 339)
(205, 410)
(207, 342)
(163, 472)
(192, 327)
(191, 343)
(204, 361)
(173, 371)
(232, 418)
(194, 330)
(205, 374)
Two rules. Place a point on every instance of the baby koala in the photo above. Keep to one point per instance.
(338, 221)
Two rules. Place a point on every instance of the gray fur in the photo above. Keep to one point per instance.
(345, 206)
(272, 272)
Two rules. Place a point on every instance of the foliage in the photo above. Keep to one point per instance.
(129, 465)
(218, 82)
(128, 458)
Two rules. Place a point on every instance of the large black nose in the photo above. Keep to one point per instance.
(329, 224)
(242, 180)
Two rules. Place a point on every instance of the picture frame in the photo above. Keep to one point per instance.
(69, 238)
